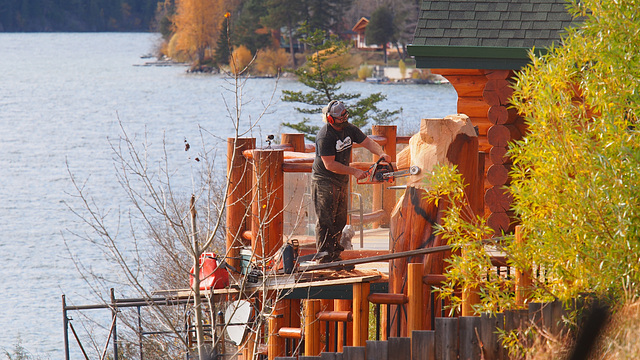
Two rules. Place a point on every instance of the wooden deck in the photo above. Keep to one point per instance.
(373, 240)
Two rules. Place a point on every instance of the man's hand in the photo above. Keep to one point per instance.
(359, 174)
(385, 157)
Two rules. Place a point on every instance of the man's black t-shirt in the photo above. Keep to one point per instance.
(331, 142)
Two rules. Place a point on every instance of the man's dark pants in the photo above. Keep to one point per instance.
(331, 201)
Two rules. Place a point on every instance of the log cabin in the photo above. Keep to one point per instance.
(479, 46)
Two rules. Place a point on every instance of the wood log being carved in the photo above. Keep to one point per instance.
(451, 140)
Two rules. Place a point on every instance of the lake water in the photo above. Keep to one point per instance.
(62, 99)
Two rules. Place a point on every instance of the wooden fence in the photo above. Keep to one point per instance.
(465, 337)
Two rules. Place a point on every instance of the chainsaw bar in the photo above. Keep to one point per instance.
(380, 173)
(389, 176)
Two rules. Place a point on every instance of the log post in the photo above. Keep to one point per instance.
(267, 220)
(275, 344)
(291, 314)
(248, 347)
(326, 306)
(384, 198)
(414, 293)
(470, 297)
(344, 305)
(238, 196)
(312, 343)
(523, 275)
(295, 140)
(360, 314)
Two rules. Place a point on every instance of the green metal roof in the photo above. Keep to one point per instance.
(486, 34)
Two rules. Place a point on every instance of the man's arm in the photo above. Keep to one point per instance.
(332, 165)
(375, 148)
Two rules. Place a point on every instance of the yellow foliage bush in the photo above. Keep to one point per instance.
(347, 60)
(240, 58)
(271, 61)
(175, 52)
(403, 68)
(365, 71)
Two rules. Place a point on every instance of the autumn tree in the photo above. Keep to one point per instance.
(575, 177)
(197, 25)
(240, 59)
(575, 174)
(271, 61)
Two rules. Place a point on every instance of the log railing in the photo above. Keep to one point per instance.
(257, 179)
(263, 230)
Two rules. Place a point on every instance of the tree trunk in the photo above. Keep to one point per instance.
(401, 52)
(196, 284)
(384, 48)
(291, 50)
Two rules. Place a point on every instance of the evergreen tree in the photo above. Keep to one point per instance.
(223, 51)
(380, 29)
(324, 74)
(248, 29)
(285, 14)
(164, 12)
(327, 15)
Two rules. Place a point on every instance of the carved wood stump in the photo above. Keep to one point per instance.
(451, 140)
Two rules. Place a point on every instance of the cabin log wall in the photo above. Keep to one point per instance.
(484, 96)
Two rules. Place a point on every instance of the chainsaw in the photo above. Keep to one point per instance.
(382, 171)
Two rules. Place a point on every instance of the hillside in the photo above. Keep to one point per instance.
(76, 15)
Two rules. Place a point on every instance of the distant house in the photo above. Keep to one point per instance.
(358, 32)
(358, 35)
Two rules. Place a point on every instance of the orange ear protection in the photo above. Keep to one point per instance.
(330, 118)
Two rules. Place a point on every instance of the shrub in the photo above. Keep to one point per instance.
(240, 58)
(403, 68)
(576, 177)
(175, 52)
(271, 61)
(365, 71)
